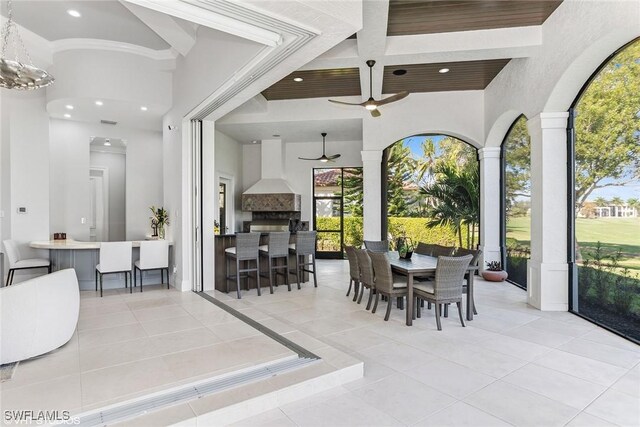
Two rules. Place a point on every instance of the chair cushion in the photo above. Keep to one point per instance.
(33, 262)
(231, 250)
(426, 287)
(264, 248)
(399, 282)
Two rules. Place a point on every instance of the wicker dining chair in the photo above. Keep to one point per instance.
(386, 283)
(424, 249)
(354, 271)
(439, 250)
(377, 245)
(366, 275)
(447, 286)
(474, 262)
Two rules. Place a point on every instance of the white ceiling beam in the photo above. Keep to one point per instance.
(180, 38)
(203, 15)
(372, 42)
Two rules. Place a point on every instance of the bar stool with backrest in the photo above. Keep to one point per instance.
(277, 248)
(446, 287)
(386, 283)
(377, 245)
(115, 257)
(246, 250)
(366, 275)
(354, 271)
(305, 249)
(154, 255)
(16, 263)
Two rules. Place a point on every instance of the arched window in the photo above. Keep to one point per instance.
(604, 167)
(431, 191)
(516, 201)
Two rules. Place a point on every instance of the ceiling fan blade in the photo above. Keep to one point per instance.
(345, 103)
(304, 158)
(335, 156)
(375, 113)
(393, 98)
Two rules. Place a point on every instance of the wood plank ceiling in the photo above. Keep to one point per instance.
(316, 84)
(410, 17)
(467, 75)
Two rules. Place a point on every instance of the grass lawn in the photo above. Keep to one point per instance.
(613, 233)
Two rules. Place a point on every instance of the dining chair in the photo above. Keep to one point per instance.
(305, 250)
(424, 249)
(440, 250)
(246, 250)
(377, 245)
(17, 263)
(277, 248)
(366, 275)
(386, 283)
(446, 288)
(354, 271)
(154, 255)
(115, 257)
(473, 263)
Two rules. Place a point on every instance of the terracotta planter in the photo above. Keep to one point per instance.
(495, 276)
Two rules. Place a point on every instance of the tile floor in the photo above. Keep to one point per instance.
(127, 345)
(511, 365)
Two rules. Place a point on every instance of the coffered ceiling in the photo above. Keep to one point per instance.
(409, 17)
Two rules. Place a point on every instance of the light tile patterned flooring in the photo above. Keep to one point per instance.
(128, 345)
(511, 365)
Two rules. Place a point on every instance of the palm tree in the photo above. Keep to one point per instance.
(454, 199)
(617, 201)
(601, 202)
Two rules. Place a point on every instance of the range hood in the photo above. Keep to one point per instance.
(271, 193)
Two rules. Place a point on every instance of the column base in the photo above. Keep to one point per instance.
(548, 285)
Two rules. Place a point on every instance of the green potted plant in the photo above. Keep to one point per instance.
(494, 272)
(404, 247)
(160, 219)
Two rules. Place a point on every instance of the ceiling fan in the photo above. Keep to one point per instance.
(371, 104)
(324, 158)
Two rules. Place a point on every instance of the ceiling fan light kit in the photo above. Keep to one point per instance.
(371, 104)
(324, 158)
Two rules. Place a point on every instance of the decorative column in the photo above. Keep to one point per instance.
(372, 186)
(547, 277)
(490, 215)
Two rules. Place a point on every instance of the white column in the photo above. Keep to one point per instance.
(547, 279)
(372, 186)
(490, 204)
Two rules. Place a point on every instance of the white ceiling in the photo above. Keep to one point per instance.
(308, 131)
(103, 20)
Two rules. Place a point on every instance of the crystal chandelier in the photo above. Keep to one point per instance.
(13, 73)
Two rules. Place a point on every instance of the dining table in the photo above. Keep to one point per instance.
(425, 265)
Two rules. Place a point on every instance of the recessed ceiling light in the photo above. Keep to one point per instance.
(99, 103)
(298, 79)
(276, 136)
(143, 108)
(108, 144)
(74, 13)
(443, 70)
(254, 142)
(68, 116)
(399, 72)
(69, 107)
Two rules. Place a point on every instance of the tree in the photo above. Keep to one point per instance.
(454, 199)
(617, 201)
(607, 123)
(353, 192)
(632, 202)
(517, 152)
(601, 202)
(401, 170)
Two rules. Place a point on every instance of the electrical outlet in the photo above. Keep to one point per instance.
(83, 220)
(175, 269)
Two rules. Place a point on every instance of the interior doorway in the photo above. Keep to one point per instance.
(99, 204)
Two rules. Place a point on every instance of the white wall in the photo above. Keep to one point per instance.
(69, 179)
(228, 165)
(25, 170)
(116, 164)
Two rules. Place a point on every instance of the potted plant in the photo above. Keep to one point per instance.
(160, 219)
(404, 247)
(494, 272)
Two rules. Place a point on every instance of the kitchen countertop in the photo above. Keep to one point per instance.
(73, 244)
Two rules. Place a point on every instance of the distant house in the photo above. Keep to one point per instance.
(591, 210)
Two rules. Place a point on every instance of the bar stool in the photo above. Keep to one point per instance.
(15, 263)
(115, 257)
(277, 248)
(304, 248)
(246, 249)
(154, 255)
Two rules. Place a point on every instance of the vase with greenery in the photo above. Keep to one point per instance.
(494, 272)
(404, 247)
(161, 218)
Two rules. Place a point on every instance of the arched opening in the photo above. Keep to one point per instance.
(604, 172)
(431, 191)
(516, 201)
